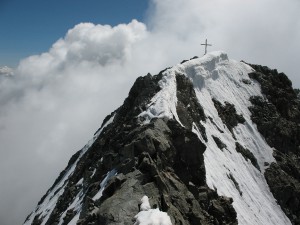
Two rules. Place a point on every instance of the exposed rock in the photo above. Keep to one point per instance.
(188, 108)
(247, 154)
(37, 220)
(228, 114)
(236, 184)
(277, 118)
(279, 91)
(186, 60)
(69, 216)
(281, 133)
(283, 178)
(246, 81)
(219, 143)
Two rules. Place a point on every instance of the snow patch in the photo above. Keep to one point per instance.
(148, 216)
(94, 171)
(80, 182)
(163, 104)
(109, 175)
(145, 204)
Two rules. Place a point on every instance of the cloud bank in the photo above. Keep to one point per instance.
(56, 100)
(53, 105)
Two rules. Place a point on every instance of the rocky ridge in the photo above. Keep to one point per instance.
(186, 139)
(277, 117)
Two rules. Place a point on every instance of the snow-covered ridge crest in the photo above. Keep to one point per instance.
(164, 103)
(216, 77)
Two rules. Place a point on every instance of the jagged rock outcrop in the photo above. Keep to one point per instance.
(228, 114)
(278, 119)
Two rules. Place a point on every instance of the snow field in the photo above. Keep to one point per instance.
(216, 77)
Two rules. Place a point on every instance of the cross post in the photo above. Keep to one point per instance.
(206, 46)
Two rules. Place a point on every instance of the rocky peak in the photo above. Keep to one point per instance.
(193, 140)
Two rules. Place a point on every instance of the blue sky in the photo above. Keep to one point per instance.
(32, 26)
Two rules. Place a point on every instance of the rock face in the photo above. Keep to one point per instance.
(228, 114)
(186, 139)
(277, 118)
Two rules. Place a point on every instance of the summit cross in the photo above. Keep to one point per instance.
(206, 46)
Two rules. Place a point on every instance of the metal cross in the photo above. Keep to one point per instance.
(206, 46)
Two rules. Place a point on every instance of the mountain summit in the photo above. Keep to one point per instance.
(208, 141)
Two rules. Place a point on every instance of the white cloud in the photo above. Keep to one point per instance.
(88, 45)
(6, 71)
(54, 104)
(56, 100)
(263, 32)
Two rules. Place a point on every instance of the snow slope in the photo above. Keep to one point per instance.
(227, 171)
